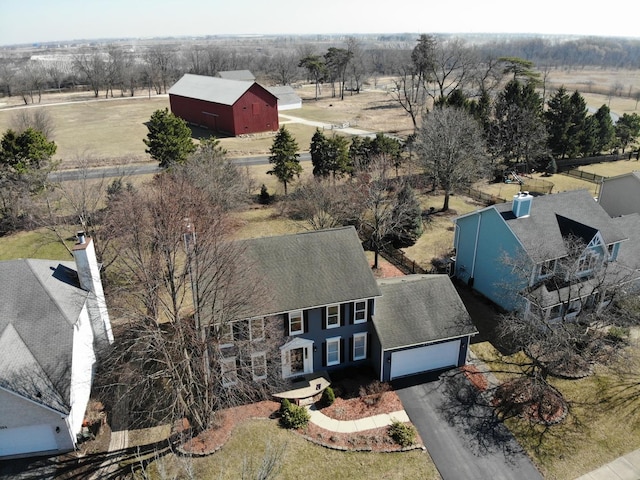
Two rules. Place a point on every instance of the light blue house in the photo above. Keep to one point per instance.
(530, 244)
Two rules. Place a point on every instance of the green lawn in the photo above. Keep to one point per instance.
(597, 430)
(39, 243)
(302, 459)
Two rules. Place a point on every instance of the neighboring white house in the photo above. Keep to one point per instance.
(620, 195)
(287, 97)
(53, 319)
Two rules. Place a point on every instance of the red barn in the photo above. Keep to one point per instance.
(232, 107)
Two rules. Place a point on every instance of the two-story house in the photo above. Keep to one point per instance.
(53, 321)
(332, 313)
(561, 250)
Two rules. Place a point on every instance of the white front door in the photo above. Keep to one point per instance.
(297, 357)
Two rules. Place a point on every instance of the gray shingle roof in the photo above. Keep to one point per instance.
(418, 309)
(286, 95)
(210, 89)
(311, 269)
(552, 215)
(40, 301)
(245, 75)
(629, 254)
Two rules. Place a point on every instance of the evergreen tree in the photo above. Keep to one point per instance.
(319, 154)
(605, 131)
(338, 156)
(285, 158)
(25, 151)
(517, 133)
(578, 133)
(558, 122)
(169, 139)
(627, 130)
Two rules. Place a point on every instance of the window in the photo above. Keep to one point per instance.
(587, 262)
(333, 316)
(360, 312)
(296, 323)
(333, 351)
(257, 329)
(547, 268)
(229, 371)
(241, 330)
(225, 332)
(259, 366)
(359, 346)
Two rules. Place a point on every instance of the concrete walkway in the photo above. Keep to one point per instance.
(626, 467)
(350, 426)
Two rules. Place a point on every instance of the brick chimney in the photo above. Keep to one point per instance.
(521, 206)
(89, 277)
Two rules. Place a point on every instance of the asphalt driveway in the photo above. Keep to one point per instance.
(462, 435)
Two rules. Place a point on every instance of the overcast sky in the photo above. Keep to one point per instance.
(33, 21)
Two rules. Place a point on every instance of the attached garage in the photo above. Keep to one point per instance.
(425, 359)
(30, 439)
(421, 325)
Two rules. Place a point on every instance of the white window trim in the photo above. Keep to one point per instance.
(226, 338)
(261, 337)
(337, 316)
(331, 341)
(291, 315)
(357, 336)
(550, 267)
(229, 361)
(365, 310)
(255, 356)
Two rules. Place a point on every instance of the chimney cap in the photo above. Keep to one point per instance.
(81, 237)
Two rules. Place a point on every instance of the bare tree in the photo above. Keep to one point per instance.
(160, 61)
(283, 68)
(452, 149)
(322, 204)
(193, 343)
(36, 118)
(562, 324)
(92, 67)
(452, 68)
(377, 193)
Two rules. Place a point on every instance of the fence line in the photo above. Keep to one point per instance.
(587, 176)
(400, 260)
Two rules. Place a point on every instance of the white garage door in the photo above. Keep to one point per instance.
(34, 438)
(424, 359)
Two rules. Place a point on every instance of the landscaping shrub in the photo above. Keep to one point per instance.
(293, 416)
(372, 393)
(264, 198)
(401, 433)
(328, 397)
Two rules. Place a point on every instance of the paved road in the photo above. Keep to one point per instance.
(144, 169)
(460, 432)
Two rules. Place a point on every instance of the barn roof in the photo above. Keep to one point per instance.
(210, 89)
(245, 75)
